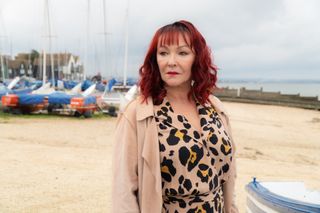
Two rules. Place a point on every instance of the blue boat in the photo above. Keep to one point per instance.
(283, 197)
(12, 88)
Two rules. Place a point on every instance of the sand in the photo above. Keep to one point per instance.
(63, 164)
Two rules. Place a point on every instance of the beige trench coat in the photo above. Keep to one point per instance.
(136, 161)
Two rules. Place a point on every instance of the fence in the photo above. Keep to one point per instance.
(262, 97)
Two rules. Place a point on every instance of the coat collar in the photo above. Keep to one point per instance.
(145, 108)
(218, 105)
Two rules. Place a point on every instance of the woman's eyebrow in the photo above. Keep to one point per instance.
(179, 47)
(184, 46)
(163, 46)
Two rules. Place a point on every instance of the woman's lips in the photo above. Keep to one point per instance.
(172, 73)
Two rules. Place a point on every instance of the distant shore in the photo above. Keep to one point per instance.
(259, 96)
(292, 87)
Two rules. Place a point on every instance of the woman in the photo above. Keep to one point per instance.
(173, 148)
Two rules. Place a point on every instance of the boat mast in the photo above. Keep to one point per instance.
(59, 66)
(105, 34)
(49, 36)
(1, 54)
(125, 65)
(87, 41)
(44, 70)
(2, 67)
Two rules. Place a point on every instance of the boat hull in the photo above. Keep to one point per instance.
(262, 200)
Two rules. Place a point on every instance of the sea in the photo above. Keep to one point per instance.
(310, 88)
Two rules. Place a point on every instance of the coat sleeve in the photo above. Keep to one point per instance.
(229, 193)
(229, 186)
(125, 168)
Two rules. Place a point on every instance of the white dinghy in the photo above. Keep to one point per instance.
(271, 197)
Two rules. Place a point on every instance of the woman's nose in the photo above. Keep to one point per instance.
(172, 60)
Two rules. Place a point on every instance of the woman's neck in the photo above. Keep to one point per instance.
(178, 94)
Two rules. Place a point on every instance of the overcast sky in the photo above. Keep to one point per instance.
(274, 39)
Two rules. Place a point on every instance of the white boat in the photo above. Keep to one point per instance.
(13, 83)
(120, 98)
(44, 89)
(283, 197)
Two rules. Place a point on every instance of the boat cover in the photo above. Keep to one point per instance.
(86, 84)
(260, 199)
(60, 98)
(54, 98)
(63, 98)
(100, 87)
(4, 92)
(17, 91)
(90, 100)
(21, 91)
(30, 99)
(69, 84)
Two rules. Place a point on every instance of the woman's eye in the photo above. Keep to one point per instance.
(163, 53)
(183, 53)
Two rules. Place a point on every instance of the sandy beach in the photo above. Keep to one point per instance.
(61, 164)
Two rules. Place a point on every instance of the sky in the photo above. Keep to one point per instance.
(251, 39)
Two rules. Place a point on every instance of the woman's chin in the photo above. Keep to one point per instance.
(176, 84)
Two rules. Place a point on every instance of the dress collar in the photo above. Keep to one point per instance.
(145, 108)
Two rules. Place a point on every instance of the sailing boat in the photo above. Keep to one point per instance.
(35, 101)
(124, 87)
(49, 35)
(123, 93)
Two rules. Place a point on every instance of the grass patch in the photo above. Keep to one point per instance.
(5, 117)
(8, 116)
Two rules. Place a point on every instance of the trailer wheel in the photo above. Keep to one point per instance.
(16, 111)
(87, 114)
(6, 109)
(77, 114)
(50, 108)
(112, 111)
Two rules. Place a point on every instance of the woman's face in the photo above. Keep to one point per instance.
(175, 62)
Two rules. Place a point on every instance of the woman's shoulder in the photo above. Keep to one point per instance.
(218, 105)
(138, 108)
(129, 109)
(214, 99)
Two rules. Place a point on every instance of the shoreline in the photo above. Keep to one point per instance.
(244, 95)
(301, 105)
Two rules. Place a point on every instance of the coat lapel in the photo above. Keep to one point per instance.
(149, 140)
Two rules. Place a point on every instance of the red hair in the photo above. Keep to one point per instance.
(203, 73)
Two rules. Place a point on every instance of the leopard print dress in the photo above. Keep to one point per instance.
(194, 165)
